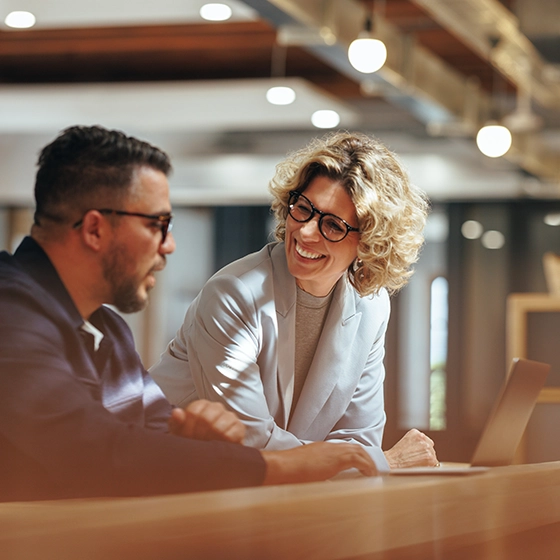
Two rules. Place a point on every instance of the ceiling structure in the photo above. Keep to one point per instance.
(197, 88)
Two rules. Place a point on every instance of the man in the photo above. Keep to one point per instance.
(79, 415)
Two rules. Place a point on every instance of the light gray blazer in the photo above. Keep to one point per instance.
(237, 346)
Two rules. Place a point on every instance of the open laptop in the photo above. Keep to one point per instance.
(505, 425)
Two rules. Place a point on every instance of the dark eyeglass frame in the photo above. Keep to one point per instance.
(165, 220)
(296, 195)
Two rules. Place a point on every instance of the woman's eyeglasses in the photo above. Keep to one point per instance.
(332, 227)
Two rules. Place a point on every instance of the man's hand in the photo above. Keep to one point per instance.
(415, 449)
(315, 461)
(206, 420)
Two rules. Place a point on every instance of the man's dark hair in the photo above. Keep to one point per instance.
(89, 167)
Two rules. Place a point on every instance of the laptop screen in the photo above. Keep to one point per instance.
(511, 412)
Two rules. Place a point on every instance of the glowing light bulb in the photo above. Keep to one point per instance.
(325, 118)
(280, 95)
(493, 140)
(552, 219)
(471, 229)
(493, 239)
(215, 12)
(367, 55)
(20, 20)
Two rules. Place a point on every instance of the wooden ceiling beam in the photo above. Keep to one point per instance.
(247, 36)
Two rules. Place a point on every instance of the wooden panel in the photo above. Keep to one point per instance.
(518, 307)
(160, 52)
(198, 51)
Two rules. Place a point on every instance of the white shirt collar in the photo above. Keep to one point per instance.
(95, 332)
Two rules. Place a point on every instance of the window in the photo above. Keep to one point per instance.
(438, 352)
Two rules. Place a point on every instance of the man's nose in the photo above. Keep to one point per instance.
(168, 246)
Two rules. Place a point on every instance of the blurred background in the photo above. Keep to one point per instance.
(196, 80)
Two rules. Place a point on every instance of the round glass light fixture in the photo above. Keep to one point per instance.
(493, 239)
(366, 54)
(552, 219)
(20, 20)
(215, 12)
(493, 140)
(325, 118)
(280, 95)
(471, 229)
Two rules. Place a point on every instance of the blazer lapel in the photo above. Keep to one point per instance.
(334, 353)
(285, 300)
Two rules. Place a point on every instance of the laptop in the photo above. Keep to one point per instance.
(505, 425)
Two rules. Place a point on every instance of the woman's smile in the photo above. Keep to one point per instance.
(307, 254)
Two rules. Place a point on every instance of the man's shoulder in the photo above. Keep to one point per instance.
(7, 262)
(14, 277)
(27, 303)
(29, 316)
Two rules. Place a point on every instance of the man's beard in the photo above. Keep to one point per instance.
(124, 288)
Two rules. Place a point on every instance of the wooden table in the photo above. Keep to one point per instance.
(506, 513)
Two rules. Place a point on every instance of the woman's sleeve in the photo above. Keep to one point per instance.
(214, 357)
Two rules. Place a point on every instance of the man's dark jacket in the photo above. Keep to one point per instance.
(70, 427)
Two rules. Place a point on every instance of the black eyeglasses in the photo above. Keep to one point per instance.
(164, 220)
(332, 227)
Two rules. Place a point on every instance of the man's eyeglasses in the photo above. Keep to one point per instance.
(164, 220)
(332, 227)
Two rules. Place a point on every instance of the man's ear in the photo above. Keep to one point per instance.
(95, 230)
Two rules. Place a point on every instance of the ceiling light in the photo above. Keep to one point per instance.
(327, 35)
(471, 229)
(325, 118)
(280, 95)
(215, 12)
(366, 54)
(552, 219)
(493, 140)
(493, 239)
(20, 20)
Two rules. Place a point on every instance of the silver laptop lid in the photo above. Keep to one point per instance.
(509, 417)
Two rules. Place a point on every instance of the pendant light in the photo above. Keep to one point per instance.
(367, 54)
(494, 139)
(279, 94)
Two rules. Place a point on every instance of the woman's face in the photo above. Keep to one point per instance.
(316, 263)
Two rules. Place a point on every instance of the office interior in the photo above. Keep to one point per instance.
(197, 89)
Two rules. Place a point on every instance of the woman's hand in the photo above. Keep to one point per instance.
(415, 449)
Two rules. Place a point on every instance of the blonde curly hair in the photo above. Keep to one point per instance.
(391, 211)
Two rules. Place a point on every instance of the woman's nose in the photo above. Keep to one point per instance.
(310, 229)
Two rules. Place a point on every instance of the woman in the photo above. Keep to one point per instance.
(291, 338)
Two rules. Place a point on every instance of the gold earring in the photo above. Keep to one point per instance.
(358, 263)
